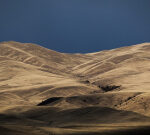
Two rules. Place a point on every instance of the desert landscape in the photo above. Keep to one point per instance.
(44, 92)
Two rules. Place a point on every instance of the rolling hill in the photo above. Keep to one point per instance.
(47, 92)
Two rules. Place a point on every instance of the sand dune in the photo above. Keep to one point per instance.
(46, 92)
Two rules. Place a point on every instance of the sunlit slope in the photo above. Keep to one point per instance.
(28, 82)
(127, 66)
(24, 77)
(36, 55)
(46, 88)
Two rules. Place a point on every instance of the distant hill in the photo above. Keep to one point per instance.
(43, 91)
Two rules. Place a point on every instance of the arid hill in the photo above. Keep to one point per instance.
(45, 92)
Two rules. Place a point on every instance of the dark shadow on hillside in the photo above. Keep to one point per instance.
(49, 101)
(109, 87)
(135, 131)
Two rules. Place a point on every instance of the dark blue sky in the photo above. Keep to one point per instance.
(76, 25)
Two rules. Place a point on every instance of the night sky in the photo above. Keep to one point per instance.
(76, 25)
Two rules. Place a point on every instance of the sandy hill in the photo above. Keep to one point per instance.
(43, 91)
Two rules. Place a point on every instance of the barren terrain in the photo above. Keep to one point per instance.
(44, 92)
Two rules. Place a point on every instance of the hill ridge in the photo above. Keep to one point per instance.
(41, 85)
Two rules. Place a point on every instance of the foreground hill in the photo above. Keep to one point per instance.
(43, 91)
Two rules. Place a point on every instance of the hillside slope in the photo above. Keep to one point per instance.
(61, 93)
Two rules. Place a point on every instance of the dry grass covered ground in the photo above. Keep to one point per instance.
(45, 92)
